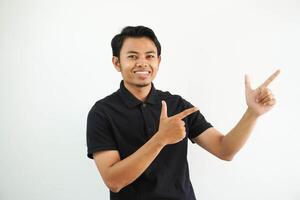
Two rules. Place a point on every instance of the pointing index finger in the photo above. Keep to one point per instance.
(270, 79)
(185, 113)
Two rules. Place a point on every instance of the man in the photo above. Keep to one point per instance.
(138, 135)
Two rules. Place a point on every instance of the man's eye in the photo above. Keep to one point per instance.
(132, 56)
(150, 56)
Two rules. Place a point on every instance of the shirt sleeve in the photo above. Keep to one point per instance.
(98, 133)
(196, 122)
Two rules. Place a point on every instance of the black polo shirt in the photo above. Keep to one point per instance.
(122, 122)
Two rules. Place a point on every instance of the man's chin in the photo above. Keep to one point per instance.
(138, 84)
(141, 85)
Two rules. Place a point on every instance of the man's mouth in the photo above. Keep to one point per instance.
(142, 72)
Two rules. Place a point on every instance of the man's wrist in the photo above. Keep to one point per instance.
(157, 139)
(251, 113)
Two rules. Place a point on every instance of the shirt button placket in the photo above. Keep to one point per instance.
(144, 105)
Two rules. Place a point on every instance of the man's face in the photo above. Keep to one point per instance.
(138, 61)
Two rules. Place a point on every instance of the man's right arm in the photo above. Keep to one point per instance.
(118, 173)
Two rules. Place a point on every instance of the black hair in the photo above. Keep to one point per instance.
(136, 32)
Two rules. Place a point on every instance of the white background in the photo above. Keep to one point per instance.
(55, 63)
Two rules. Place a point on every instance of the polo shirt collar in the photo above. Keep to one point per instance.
(131, 101)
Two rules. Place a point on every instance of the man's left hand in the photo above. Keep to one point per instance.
(261, 99)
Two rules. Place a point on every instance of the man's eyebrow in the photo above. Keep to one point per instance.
(128, 52)
(135, 52)
(150, 52)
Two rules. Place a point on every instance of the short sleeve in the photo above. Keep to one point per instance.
(98, 133)
(196, 122)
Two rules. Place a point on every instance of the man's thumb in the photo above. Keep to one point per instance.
(247, 82)
(164, 111)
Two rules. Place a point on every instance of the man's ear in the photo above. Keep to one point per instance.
(159, 59)
(116, 63)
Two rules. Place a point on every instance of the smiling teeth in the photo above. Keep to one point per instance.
(142, 72)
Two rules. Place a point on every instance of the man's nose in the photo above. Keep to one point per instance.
(142, 62)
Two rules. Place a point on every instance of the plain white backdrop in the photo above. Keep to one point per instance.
(55, 63)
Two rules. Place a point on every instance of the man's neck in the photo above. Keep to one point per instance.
(140, 93)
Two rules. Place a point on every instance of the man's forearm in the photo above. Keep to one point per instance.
(236, 138)
(129, 169)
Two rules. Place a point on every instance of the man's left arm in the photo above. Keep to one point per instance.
(259, 101)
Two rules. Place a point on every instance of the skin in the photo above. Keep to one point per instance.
(140, 54)
(137, 54)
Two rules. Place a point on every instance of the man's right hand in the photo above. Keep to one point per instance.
(172, 129)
